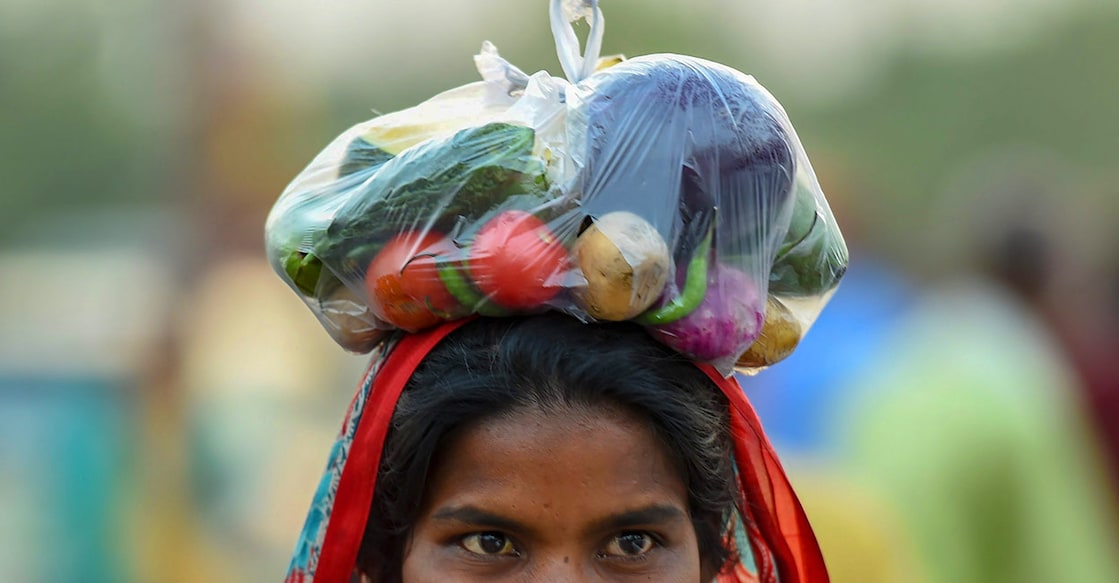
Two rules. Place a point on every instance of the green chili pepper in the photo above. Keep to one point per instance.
(451, 274)
(695, 288)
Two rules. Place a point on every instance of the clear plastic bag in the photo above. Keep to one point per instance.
(665, 190)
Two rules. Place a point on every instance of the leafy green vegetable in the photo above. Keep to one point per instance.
(436, 184)
(301, 265)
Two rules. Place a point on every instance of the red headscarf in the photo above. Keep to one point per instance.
(780, 537)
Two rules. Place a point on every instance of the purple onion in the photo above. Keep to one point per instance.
(725, 323)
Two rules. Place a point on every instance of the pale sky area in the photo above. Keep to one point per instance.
(826, 50)
(828, 47)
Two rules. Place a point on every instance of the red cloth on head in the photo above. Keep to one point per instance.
(781, 539)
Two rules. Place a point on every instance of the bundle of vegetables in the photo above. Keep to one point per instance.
(665, 190)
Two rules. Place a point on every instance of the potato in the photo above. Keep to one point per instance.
(625, 262)
(780, 335)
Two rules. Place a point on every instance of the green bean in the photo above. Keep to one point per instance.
(695, 289)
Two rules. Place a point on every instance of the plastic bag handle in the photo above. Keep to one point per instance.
(563, 13)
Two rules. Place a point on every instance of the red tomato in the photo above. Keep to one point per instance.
(517, 261)
(403, 281)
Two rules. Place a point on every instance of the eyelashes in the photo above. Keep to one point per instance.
(629, 545)
(489, 544)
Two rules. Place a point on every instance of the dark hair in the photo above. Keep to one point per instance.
(493, 367)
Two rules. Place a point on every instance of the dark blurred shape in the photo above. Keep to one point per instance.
(1020, 259)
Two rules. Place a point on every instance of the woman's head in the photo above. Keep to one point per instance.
(543, 443)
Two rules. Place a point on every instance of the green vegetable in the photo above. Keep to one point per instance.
(301, 265)
(813, 256)
(304, 270)
(464, 291)
(695, 288)
(804, 219)
(437, 183)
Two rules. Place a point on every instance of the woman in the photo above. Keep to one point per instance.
(544, 449)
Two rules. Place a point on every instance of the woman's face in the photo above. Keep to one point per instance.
(558, 497)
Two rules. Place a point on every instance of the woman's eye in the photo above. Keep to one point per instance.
(489, 543)
(629, 544)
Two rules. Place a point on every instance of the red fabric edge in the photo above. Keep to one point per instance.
(782, 526)
(359, 475)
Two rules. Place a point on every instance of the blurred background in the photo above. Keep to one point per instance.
(167, 404)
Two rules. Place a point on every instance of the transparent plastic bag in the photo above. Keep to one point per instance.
(665, 190)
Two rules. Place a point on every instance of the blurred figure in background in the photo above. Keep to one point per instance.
(972, 423)
(962, 425)
(1083, 310)
(1037, 230)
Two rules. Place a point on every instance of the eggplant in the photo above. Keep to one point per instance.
(673, 138)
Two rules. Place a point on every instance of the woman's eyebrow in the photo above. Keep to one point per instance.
(477, 517)
(649, 515)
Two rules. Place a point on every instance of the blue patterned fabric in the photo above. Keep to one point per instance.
(307, 550)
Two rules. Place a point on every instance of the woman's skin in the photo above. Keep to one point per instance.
(558, 496)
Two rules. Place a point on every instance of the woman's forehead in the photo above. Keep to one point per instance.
(558, 469)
